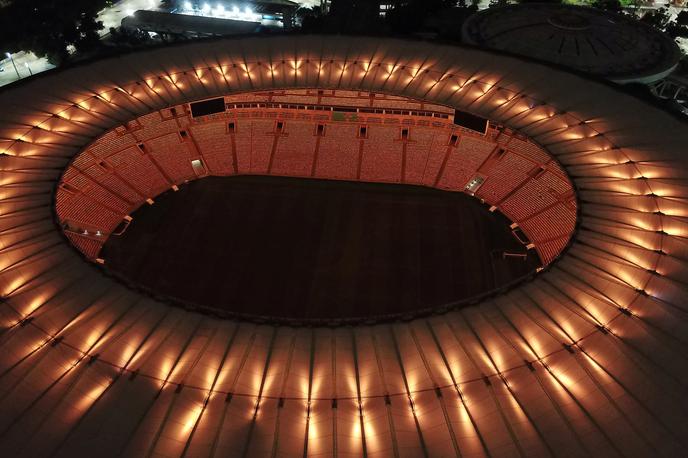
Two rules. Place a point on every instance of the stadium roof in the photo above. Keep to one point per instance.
(584, 38)
(586, 359)
(162, 22)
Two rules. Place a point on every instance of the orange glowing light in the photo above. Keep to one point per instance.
(90, 397)
(312, 430)
(92, 338)
(190, 419)
(13, 286)
(356, 429)
(564, 381)
(33, 305)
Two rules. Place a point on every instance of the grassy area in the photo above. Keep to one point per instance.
(577, 2)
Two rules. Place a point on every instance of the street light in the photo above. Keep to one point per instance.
(9, 56)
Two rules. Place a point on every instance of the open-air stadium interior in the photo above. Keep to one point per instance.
(325, 134)
(584, 358)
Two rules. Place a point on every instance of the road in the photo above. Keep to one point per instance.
(27, 63)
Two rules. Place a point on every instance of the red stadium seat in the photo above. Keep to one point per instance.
(327, 134)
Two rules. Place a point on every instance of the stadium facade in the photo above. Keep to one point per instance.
(586, 358)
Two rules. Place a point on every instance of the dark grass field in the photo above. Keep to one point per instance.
(316, 249)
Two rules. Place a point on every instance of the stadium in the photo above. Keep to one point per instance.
(585, 355)
(587, 39)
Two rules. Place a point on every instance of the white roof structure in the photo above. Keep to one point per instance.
(583, 38)
(588, 358)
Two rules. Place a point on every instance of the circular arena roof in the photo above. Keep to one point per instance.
(588, 358)
(583, 38)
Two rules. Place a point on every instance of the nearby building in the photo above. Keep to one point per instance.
(170, 24)
(587, 39)
(202, 21)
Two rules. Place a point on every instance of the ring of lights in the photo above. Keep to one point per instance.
(587, 356)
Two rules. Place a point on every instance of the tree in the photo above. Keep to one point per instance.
(51, 28)
(353, 16)
(661, 20)
(125, 37)
(658, 18)
(497, 3)
(408, 16)
(682, 18)
(311, 18)
(678, 27)
(447, 23)
(613, 6)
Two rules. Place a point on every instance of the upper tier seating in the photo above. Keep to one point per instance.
(133, 163)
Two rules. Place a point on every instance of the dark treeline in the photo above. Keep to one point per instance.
(51, 28)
